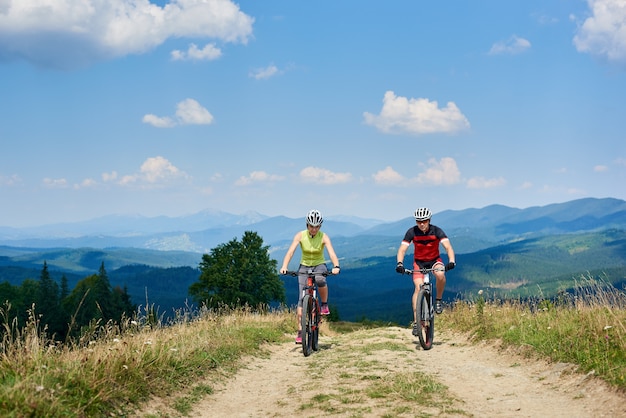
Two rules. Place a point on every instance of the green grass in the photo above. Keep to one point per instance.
(117, 368)
(587, 328)
(126, 365)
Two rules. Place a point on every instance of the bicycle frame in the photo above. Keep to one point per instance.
(425, 310)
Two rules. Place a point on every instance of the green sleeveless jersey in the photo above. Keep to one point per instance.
(312, 249)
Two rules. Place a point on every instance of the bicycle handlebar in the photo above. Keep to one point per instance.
(424, 271)
(296, 273)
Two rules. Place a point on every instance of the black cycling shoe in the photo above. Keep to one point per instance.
(416, 329)
(438, 307)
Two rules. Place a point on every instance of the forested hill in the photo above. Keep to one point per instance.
(503, 250)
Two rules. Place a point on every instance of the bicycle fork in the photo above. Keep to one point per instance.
(427, 286)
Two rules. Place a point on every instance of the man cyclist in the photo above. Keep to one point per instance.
(312, 242)
(426, 239)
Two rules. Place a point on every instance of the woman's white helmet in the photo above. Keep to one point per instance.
(422, 214)
(314, 218)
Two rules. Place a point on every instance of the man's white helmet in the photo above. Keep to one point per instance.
(422, 214)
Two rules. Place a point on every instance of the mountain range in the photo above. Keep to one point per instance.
(477, 228)
(497, 246)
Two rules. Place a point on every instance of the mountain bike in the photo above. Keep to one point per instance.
(425, 308)
(311, 315)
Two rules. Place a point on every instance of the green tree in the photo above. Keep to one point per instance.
(65, 289)
(48, 305)
(26, 297)
(93, 298)
(122, 304)
(103, 294)
(8, 293)
(237, 274)
(82, 304)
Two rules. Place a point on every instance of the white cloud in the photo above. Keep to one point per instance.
(434, 173)
(208, 53)
(112, 176)
(389, 177)
(483, 183)
(11, 180)
(188, 112)
(512, 46)
(158, 122)
(416, 116)
(258, 177)
(544, 19)
(55, 183)
(600, 168)
(263, 73)
(86, 183)
(74, 33)
(444, 171)
(603, 34)
(576, 191)
(324, 176)
(155, 171)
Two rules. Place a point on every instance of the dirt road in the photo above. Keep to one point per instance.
(357, 375)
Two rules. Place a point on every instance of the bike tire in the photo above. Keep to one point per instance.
(307, 325)
(425, 319)
(315, 332)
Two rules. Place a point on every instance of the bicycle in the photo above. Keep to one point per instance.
(425, 308)
(311, 315)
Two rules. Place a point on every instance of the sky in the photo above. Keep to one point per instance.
(355, 108)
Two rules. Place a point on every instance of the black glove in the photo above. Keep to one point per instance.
(450, 265)
(400, 267)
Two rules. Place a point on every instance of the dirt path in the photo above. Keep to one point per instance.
(351, 377)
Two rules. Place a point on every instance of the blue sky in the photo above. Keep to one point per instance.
(361, 108)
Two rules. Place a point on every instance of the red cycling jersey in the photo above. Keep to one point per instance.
(426, 243)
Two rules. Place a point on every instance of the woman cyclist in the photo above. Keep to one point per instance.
(312, 242)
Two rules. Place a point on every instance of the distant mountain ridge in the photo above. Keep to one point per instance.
(479, 228)
(497, 248)
(129, 225)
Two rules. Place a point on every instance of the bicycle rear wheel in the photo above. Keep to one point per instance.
(425, 319)
(307, 325)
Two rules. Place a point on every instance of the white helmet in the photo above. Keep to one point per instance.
(422, 214)
(314, 218)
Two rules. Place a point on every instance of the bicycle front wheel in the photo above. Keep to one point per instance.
(307, 324)
(315, 329)
(425, 320)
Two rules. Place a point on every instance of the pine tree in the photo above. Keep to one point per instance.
(47, 303)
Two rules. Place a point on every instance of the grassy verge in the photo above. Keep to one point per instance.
(116, 368)
(587, 328)
(124, 366)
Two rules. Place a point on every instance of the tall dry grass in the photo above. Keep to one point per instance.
(587, 327)
(116, 367)
(113, 369)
